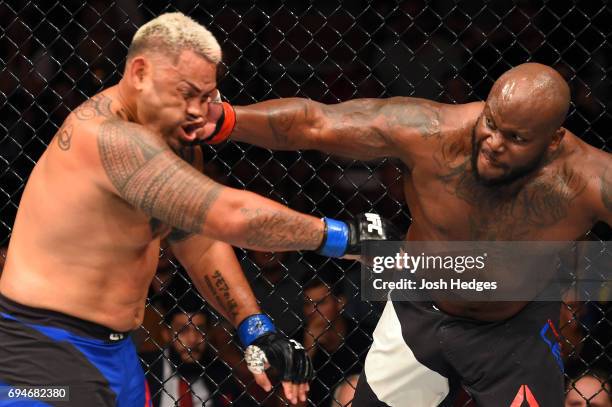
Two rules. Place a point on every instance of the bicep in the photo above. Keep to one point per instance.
(143, 170)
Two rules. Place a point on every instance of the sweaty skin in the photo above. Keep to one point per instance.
(119, 177)
(503, 169)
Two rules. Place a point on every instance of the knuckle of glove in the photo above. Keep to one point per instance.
(287, 356)
(277, 351)
(370, 227)
(302, 369)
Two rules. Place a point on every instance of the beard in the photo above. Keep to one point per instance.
(511, 175)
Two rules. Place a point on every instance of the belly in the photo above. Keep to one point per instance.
(110, 293)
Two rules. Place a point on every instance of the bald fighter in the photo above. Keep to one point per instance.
(504, 169)
(120, 175)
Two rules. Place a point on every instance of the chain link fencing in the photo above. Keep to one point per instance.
(54, 55)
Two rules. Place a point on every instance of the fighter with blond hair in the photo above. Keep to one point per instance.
(122, 173)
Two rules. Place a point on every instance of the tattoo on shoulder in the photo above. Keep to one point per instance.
(606, 188)
(64, 136)
(148, 175)
(97, 106)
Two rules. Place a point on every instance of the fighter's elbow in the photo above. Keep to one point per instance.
(225, 221)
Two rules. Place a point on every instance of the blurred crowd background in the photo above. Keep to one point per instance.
(54, 55)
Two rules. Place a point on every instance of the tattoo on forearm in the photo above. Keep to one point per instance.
(273, 229)
(220, 289)
(281, 124)
(606, 188)
(64, 136)
(151, 177)
(97, 106)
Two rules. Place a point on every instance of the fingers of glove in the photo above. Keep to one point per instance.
(263, 381)
(300, 368)
(214, 114)
(303, 391)
(309, 374)
(215, 110)
(215, 96)
(291, 391)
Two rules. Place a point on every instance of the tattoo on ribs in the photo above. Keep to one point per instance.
(152, 178)
(97, 106)
(606, 188)
(221, 291)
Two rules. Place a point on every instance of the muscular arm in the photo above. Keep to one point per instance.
(216, 273)
(141, 168)
(360, 129)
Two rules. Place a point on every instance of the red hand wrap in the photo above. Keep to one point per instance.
(229, 121)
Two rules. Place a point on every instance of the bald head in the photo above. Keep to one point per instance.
(533, 91)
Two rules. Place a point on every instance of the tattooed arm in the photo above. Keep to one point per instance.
(141, 168)
(216, 273)
(360, 129)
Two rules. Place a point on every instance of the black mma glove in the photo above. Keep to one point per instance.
(266, 346)
(342, 238)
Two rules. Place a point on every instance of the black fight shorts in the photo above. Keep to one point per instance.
(421, 357)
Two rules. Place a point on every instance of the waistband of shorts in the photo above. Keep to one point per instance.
(39, 316)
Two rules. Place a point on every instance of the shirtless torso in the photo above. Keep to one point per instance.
(77, 247)
(541, 182)
(448, 204)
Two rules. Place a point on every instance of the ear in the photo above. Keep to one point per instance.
(556, 139)
(137, 71)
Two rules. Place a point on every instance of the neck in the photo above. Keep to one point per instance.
(127, 104)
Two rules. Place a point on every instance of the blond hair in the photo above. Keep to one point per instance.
(172, 33)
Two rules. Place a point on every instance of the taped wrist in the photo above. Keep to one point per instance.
(225, 125)
(253, 327)
(336, 238)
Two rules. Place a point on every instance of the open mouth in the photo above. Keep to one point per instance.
(190, 130)
(490, 159)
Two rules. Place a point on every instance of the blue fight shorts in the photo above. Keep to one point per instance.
(41, 348)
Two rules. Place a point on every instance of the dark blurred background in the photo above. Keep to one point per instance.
(54, 55)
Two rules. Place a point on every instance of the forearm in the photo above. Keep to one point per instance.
(279, 124)
(219, 278)
(362, 129)
(245, 219)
